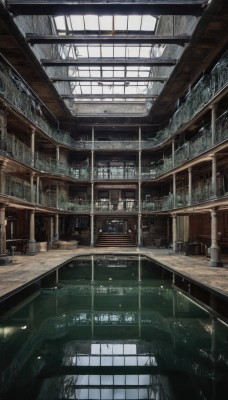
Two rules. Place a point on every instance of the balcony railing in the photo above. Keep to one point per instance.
(17, 188)
(16, 91)
(55, 167)
(116, 205)
(115, 173)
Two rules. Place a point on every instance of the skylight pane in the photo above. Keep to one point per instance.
(132, 51)
(86, 89)
(119, 72)
(95, 72)
(82, 51)
(94, 51)
(132, 72)
(148, 23)
(96, 89)
(84, 72)
(91, 22)
(145, 51)
(107, 72)
(119, 51)
(77, 22)
(107, 51)
(120, 23)
(134, 22)
(105, 23)
(60, 23)
(118, 89)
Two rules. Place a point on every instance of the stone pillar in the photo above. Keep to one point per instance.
(174, 232)
(189, 186)
(3, 256)
(213, 124)
(32, 250)
(33, 132)
(56, 227)
(215, 260)
(213, 177)
(174, 191)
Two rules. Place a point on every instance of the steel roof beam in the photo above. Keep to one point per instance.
(132, 61)
(105, 7)
(105, 79)
(109, 96)
(112, 38)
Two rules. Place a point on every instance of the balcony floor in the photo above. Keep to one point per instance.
(26, 269)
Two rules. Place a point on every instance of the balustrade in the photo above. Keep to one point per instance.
(17, 188)
(116, 205)
(116, 173)
(16, 91)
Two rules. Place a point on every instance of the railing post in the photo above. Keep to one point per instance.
(189, 186)
(174, 226)
(213, 124)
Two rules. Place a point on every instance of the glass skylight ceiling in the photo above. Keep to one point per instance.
(111, 89)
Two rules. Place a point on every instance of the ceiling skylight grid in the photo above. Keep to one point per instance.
(102, 85)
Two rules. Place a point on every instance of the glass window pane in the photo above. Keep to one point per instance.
(107, 51)
(120, 23)
(148, 23)
(77, 22)
(134, 22)
(91, 22)
(119, 51)
(105, 23)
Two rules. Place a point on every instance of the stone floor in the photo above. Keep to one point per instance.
(26, 269)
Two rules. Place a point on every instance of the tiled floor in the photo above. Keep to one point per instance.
(26, 269)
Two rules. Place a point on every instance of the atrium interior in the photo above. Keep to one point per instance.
(113, 125)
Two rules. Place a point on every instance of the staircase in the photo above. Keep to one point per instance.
(114, 240)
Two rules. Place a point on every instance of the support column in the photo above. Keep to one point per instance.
(213, 124)
(213, 177)
(189, 186)
(32, 250)
(92, 216)
(33, 132)
(56, 227)
(174, 232)
(174, 191)
(139, 239)
(215, 260)
(139, 230)
(92, 193)
(3, 256)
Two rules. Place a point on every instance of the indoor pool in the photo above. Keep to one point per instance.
(112, 328)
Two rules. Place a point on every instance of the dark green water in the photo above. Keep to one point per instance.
(127, 335)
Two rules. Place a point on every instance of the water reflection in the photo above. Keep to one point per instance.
(115, 330)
